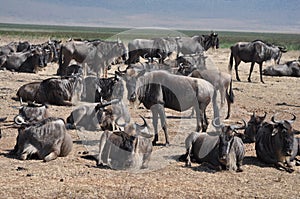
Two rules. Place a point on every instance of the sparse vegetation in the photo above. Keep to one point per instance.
(290, 41)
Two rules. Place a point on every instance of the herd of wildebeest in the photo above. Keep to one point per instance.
(169, 72)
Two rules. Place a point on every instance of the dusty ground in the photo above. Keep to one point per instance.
(77, 177)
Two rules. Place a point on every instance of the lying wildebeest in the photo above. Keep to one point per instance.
(95, 116)
(276, 144)
(27, 92)
(31, 113)
(47, 139)
(128, 149)
(220, 80)
(225, 151)
(27, 61)
(159, 89)
(139, 48)
(97, 89)
(255, 52)
(290, 68)
(56, 91)
(253, 125)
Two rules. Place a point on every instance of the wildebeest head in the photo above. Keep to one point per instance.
(130, 76)
(226, 139)
(31, 113)
(253, 125)
(285, 131)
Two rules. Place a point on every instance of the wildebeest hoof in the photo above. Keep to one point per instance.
(239, 170)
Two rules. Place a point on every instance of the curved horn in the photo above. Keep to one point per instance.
(144, 56)
(122, 72)
(264, 117)
(21, 101)
(274, 120)
(160, 56)
(19, 120)
(217, 125)
(236, 127)
(145, 123)
(121, 125)
(293, 119)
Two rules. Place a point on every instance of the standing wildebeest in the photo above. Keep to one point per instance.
(77, 50)
(225, 151)
(31, 113)
(128, 149)
(56, 91)
(276, 144)
(159, 89)
(95, 116)
(254, 52)
(220, 80)
(290, 68)
(98, 55)
(208, 41)
(47, 139)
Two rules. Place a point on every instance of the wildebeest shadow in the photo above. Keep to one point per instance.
(252, 160)
(286, 104)
(87, 142)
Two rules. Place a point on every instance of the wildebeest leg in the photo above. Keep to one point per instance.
(200, 118)
(280, 166)
(154, 122)
(260, 73)
(251, 69)
(53, 155)
(103, 140)
(162, 116)
(237, 62)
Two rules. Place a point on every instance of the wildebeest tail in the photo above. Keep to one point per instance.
(215, 105)
(230, 62)
(229, 93)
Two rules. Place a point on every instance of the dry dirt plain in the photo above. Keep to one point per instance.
(78, 177)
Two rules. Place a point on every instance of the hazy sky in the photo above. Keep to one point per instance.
(246, 15)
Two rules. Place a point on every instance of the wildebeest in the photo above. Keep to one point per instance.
(97, 54)
(255, 52)
(139, 48)
(276, 144)
(27, 92)
(27, 61)
(77, 50)
(128, 149)
(102, 116)
(32, 113)
(290, 68)
(47, 139)
(225, 151)
(253, 125)
(208, 41)
(157, 90)
(221, 81)
(55, 91)
(97, 89)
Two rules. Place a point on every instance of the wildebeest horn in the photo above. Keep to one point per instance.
(145, 55)
(236, 127)
(145, 123)
(280, 121)
(121, 72)
(21, 101)
(293, 119)
(121, 125)
(19, 120)
(160, 56)
(220, 125)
